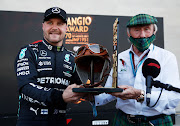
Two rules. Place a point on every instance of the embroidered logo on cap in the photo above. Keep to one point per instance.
(56, 10)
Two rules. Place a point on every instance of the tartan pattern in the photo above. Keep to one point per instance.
(142, 19)
(142, 43)
(121, 120)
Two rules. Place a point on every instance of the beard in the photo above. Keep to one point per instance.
(54, 37)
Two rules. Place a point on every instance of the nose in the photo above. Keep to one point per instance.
(142, 34)
(54, 26)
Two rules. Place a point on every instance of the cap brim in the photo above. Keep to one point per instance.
(55, 16)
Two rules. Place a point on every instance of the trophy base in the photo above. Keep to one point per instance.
(97, 90)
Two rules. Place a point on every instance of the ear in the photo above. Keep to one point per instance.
(128, 32)
(155, 29)
(43, 26)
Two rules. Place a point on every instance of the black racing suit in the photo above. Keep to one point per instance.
(43, 73)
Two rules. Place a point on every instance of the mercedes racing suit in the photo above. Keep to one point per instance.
(43, 72)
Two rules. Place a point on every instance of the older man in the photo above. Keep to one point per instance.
(131, 105)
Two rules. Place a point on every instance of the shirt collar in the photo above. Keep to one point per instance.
(51, 47)
(151, 48)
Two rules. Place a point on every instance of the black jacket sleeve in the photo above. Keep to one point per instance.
(26, 72)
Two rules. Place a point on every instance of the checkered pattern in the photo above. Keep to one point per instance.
(142, 43)
(142, 19)
(121, 120)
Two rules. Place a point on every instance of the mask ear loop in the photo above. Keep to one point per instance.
(128, 33)
(155, 29)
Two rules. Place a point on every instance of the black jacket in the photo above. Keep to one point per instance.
(43, 72)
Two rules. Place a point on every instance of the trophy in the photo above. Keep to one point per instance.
(93, 62)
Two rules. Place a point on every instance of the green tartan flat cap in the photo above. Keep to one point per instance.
(141, 19)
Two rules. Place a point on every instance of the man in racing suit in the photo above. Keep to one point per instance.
(45, 70)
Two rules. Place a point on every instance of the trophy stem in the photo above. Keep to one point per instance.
(92, 72)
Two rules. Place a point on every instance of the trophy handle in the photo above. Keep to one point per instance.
(115, 52)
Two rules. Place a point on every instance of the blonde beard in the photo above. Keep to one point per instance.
(54, 43)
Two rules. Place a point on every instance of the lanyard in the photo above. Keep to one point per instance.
(135, 67)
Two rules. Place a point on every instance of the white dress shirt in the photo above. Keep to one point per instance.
(169, 74)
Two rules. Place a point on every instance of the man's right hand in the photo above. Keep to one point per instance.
(71, 97)
(128, 93)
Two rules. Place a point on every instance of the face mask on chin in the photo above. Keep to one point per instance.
(142, 43)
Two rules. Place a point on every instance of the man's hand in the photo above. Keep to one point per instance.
(70, 96)
(128, 93)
